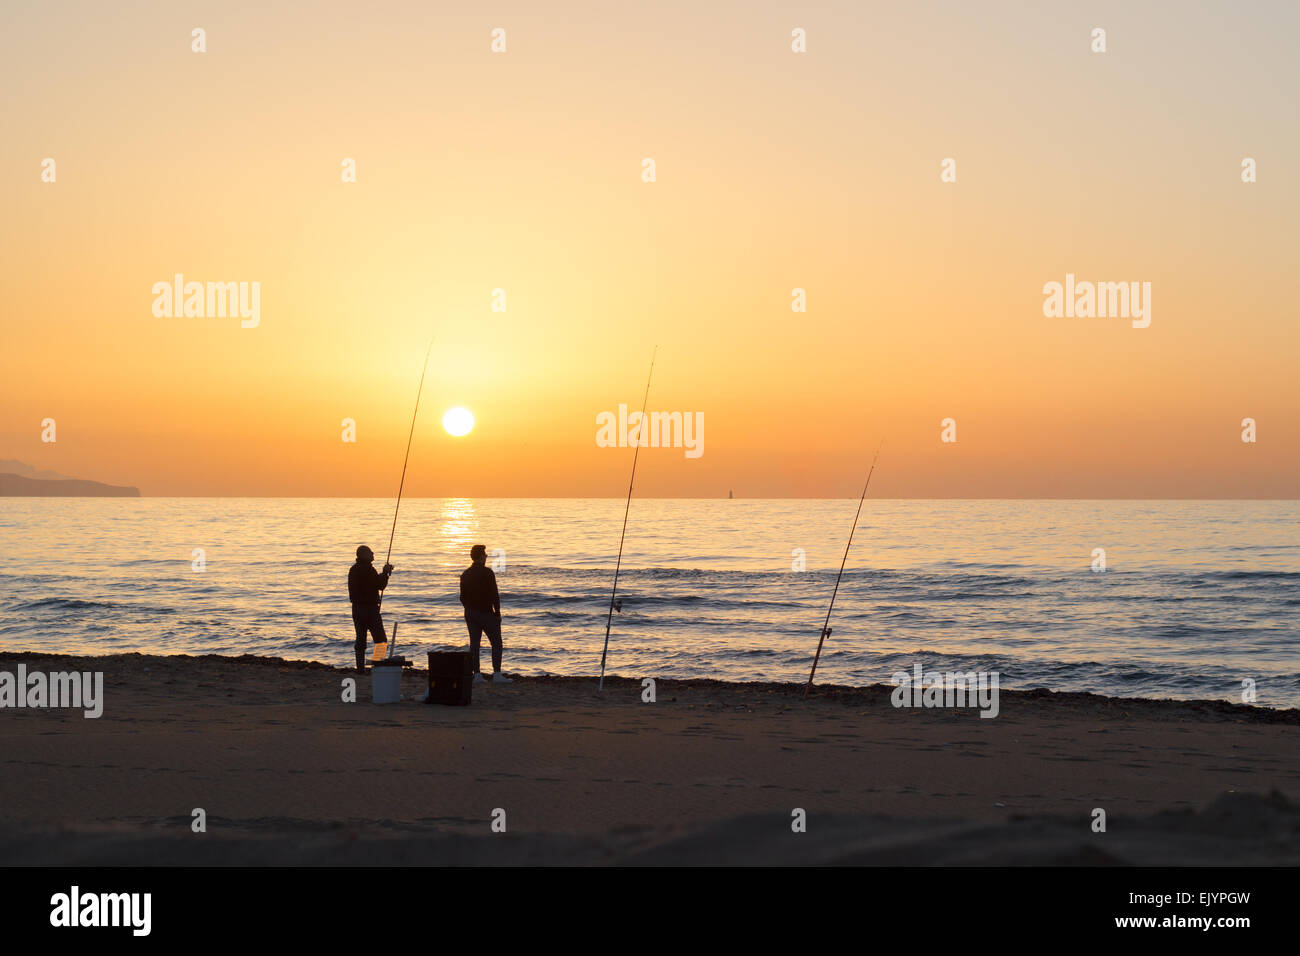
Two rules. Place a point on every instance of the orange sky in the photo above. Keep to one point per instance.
(775, 170)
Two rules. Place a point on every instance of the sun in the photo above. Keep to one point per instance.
(458, 421)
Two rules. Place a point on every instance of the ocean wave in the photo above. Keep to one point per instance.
(64, 604)
(1197, 594)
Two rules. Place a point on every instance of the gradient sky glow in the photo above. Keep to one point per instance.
(775, 171)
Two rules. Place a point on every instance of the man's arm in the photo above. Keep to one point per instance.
(496, 595)
(381, 578)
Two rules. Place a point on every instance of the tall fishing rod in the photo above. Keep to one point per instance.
(826, 624)
(609, 619)
(409, 437)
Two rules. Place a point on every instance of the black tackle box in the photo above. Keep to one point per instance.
(451, 677)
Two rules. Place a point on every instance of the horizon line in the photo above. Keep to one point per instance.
(668, 497)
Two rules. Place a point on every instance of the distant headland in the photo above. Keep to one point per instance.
(18, 480)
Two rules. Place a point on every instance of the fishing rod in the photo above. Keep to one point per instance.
(609, 619)
(826, 631)
(402, 483)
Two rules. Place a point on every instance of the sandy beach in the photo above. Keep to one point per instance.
(287, 772)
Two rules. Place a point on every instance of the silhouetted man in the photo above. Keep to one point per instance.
(364, 587)
(478, 592)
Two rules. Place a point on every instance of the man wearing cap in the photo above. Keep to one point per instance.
(478, 592)
(365, 586)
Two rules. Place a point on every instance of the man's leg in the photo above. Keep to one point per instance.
(493, 628)
(377, 627)
(475, 635)
(360, 623)
(366, 619)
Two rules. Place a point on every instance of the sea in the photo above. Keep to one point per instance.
(1177, 599)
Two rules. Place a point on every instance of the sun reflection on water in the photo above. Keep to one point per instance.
(459, 525)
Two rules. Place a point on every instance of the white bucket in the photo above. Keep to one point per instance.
(385, 685)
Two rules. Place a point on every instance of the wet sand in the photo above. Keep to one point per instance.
(710, 773)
